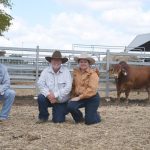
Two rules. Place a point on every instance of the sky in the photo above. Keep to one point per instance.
(57, 24)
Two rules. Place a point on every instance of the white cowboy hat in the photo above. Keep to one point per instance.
(85, 56)
(57, 54)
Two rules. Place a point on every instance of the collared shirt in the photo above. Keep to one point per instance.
(85, 85)
(59, 83)
(4, 79)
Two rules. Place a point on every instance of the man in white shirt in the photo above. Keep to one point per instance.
(6, 94)
(55, 85)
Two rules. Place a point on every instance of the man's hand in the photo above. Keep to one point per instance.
(53, 101)
(75, 99)
(51, 97)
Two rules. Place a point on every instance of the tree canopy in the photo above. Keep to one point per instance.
(5, 18)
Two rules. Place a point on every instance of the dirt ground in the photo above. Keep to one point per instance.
(122, 127)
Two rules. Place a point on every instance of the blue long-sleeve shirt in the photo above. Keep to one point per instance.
(4, 79)
(59, 83)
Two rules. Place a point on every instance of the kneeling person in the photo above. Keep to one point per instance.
(55, 85)
(85, 91)
(6, 94)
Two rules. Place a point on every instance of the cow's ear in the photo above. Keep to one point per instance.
(124, 72)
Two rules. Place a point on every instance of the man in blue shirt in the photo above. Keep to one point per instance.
(55, 85)
(6, 94)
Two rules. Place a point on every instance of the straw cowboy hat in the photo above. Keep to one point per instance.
(57, 54)
(85, 56)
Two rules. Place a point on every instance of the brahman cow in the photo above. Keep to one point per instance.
(129, 77)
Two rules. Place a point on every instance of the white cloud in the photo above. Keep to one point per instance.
(112, 22)
(130, 20)
(101, 5)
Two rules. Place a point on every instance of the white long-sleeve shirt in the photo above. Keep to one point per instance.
(4, 79)
(59, 83)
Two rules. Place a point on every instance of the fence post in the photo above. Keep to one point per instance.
(125, 49)
(37, 71)
(107, 75)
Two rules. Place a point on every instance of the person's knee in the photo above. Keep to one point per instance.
(10, 93)
(70, 107)
(58, 118)
(88, 119)
(92, 119)
(90, 122)
(41, 99)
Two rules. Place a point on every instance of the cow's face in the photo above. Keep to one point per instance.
(124, 72)
(115, 71)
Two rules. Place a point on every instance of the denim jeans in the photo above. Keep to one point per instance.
(91, 105)
(8, 98)
(59, 110)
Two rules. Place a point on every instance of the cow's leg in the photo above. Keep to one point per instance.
(118, 96)
(118, 92)
(149, 95)
(148, 91)
(127, 95)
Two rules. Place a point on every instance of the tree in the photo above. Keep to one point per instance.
(5, 18)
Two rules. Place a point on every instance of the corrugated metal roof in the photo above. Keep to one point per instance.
(140, 42)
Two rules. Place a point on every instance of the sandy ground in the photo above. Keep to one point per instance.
(122, 128)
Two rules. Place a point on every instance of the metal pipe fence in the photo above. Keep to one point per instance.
(25, 65)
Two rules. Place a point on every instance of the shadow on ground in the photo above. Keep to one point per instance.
(30, 101)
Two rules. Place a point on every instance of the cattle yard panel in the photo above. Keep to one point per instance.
(25, 65)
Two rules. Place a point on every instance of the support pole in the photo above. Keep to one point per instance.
(107, 75)
(37, 71)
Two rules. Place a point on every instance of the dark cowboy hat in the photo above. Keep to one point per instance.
(57, 54)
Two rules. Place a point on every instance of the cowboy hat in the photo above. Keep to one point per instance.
(85, 56)
(57, 54)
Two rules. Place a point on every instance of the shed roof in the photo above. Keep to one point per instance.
(140, 43)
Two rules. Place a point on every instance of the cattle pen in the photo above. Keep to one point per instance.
(25, 64)
(21, 132)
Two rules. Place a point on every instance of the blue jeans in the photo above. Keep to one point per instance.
(91, 105)
(8, 97)
(59, 110)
